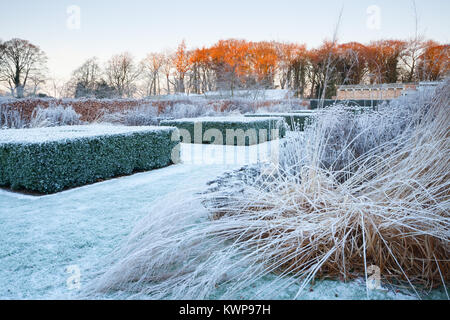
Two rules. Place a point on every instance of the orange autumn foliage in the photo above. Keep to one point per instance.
(435, 61)
(181, 60)
(383, 59)
(264, 60)
(234, 63)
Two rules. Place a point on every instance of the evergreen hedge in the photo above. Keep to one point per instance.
(240, 131)
(48, 160)
(314, 103)
(294, 120)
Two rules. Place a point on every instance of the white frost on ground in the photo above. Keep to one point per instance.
(211, 154)
(40, 236)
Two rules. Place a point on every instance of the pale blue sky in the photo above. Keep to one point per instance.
(108, 27)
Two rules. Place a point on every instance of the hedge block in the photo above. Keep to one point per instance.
(308, 111)
(48, 160)
(294, 120)
(314, 103)
(240, 131)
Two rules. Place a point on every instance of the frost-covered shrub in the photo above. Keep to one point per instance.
(54, 115)
(341, 134)
(10, 118)
(49, 160)
(144, 115)
(248, 131)
(183, 110)
(239, 104)
(148, 114)
(281, 108)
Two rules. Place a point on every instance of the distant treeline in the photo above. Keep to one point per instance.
(231, 65)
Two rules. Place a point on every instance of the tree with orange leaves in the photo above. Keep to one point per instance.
(200, 77)
(322, 73)
(383, 58)
(299, 69)
(351, 63)
(293, 65)
(264, 60)
(181, 64)
(285, 53)
(231, 62)
(434, 62)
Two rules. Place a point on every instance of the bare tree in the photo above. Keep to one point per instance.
(59, 88)
(85, 78)
(413, 50)
(151, 71)
(167, 69)
(20, 61)
(410, 58)
(328, 66)
(36, 81)
(121, 74)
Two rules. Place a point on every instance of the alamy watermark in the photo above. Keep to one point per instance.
(373, 21)
(73, 21)
(229, 146)
(374, 278)
(73, 282)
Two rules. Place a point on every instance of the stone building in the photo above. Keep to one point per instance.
(373, 91)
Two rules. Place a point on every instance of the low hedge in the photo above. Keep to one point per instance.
(48, 160)
(314, 103)
(303, 111)
(294, 120)
(237, 131)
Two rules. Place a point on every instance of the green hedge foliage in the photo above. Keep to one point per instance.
(52, 166)
(294, 120)
(229, 131)
(314, 103)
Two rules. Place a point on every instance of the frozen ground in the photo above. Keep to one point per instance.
(42, 236)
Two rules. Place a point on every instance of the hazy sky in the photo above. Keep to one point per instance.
(108, 27)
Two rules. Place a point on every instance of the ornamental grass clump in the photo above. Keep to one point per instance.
(354, 193)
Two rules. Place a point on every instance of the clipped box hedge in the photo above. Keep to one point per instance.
(314, 103)
(308, 111)
(294, 120)
(48, 160)
(237, 131)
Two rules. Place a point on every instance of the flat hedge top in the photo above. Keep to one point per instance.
(270, 115)
(64, 133)
(240, 119)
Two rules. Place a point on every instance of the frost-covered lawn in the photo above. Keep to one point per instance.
(41, 236)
